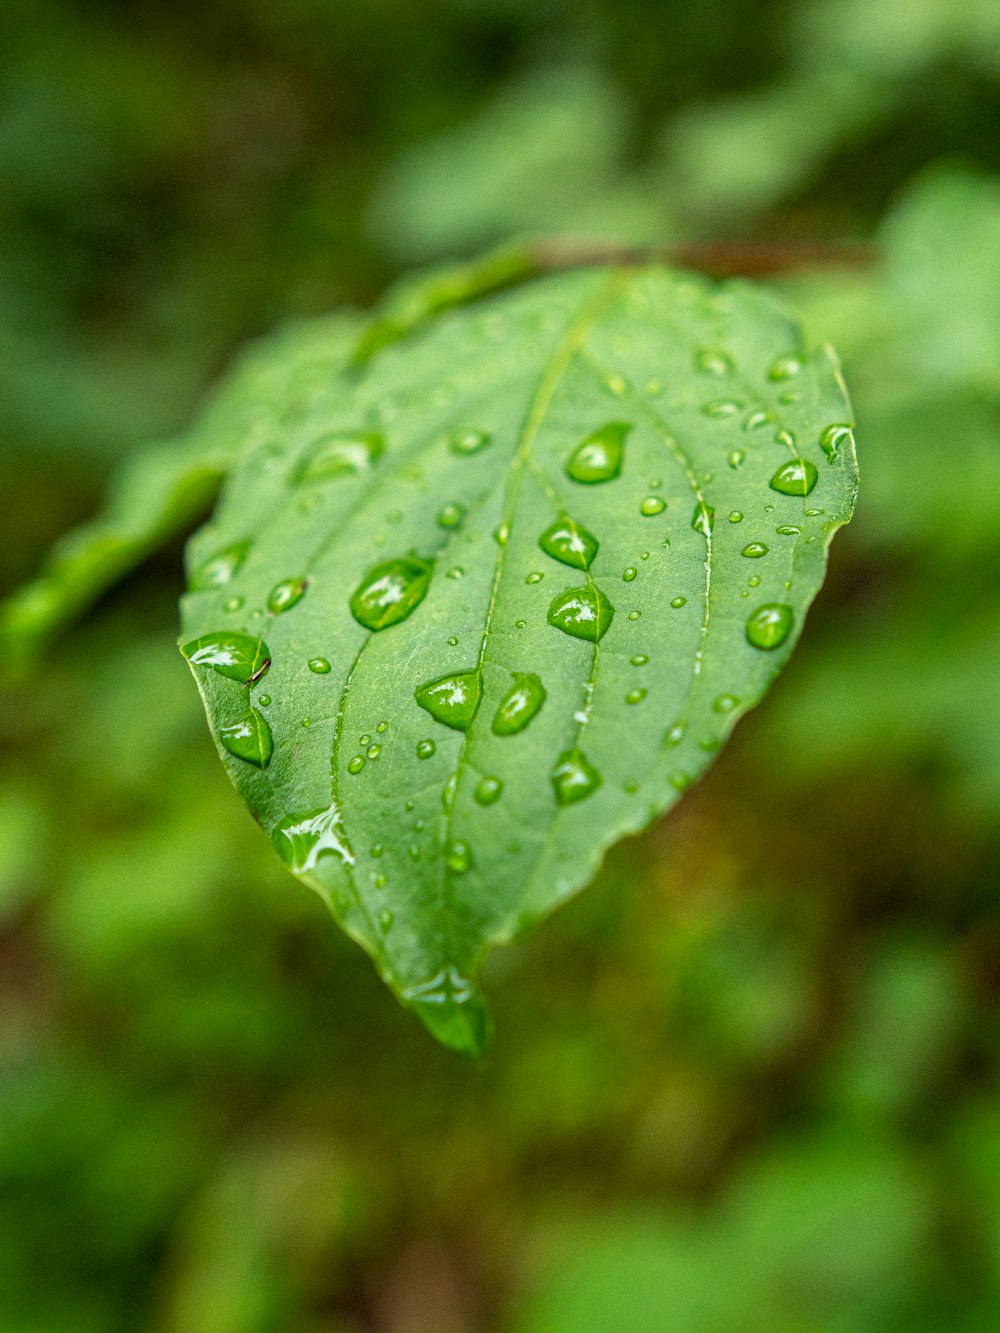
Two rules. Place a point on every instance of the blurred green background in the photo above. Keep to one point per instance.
(749, 1081)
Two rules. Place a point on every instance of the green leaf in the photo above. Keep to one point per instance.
(468, 701)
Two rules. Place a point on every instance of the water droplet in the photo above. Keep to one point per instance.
(735, 458)
(831, 439)
(302, 839)
(364, 740)
(788, 530)
(489, 790)
(455, 572)
(711, 361)
(382, 726)
(757, 418)
(736, 516)
(390, 592)
(584, 613)
(448, 791)
(680, 781)
(675, 735)
(385, 922)
(754, 580)
(796, 477)
(452, 640)
(452, 700)
(414, 851)
(356, 764)
(238, 656)
(574, 777)
(635, 696)
(248, 739)
(450, 515)
(219, 568)
(754, 550)
(570, 543)
(703, 518)
(652, 505)
(640, 659)
(725, 703)
(377, 850)
(678, 602)
(344, 454)
(379, 881)
(519, 705)
(722, 408)
(458, 857)
(233, 604)
(425, 749)
(770, 625)
(535, 577)
(814, 513)
(600, 456)
(466, 442)
(634, 615)
(264, 700)
(784, 368)
(630, 574)
(373, 751)
(320, 665)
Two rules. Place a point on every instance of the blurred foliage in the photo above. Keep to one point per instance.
(750, 1080)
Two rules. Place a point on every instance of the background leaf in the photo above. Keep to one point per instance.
(496, 599)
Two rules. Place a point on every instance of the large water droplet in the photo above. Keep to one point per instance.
(519, 705)
(389, 592)
(796, 477)
(630, 573)
(320, 665)
(238, 656)
(489, 790)
(284, 595)
(574, 777)
(303, 839)
(570, 542)
(585, 613)
(703, 518)
(465, 442)
(599, 457)
(219, 568)
(453, 699)
(341, 454)
(356, 763)
(754, 550)
(248, 739)
(770, 625)
(425, 749)
(458, 857)
(832, 438)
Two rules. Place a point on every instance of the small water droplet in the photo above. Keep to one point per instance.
(574, 777)
(343, 454)
(712, 361)
(756, 419)
(680, 781)
(630, 574)
(320, 665)
(640, 659)
(634, 615)
(652, 505)
(238, 656)
(722, 408)
(425, 749)
(703, 518)
(788, 530)
(796, 477)
(219, 568)
(448, 791)
(735, 458)
(635, 696)
(725, 703)
(450, 515)
(466, 442)
(770, 625)
(617, 384)
(456, 572)
(373, 751)
(356, 764)
(814, 513)
(264, 700)
(832, 437)
(584, 613)
(382, 726)
(519, 705)
(377, 850)
(458, 857)
(784, 368)
(677, 602)
(675, 735)
(233, 604)
(248, 739)
(379, 881)
(735, 516)
(600, 456)
(489, 790)
(452, 640)
(570, 543)
(754, 580)
(754, 550)
(453, 699)
(414, 852)
(390, 592)
(385, 922)
(364, 740)
(535, 577)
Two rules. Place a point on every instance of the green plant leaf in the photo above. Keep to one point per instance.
(495, 598)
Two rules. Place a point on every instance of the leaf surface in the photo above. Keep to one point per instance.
(493, 598)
